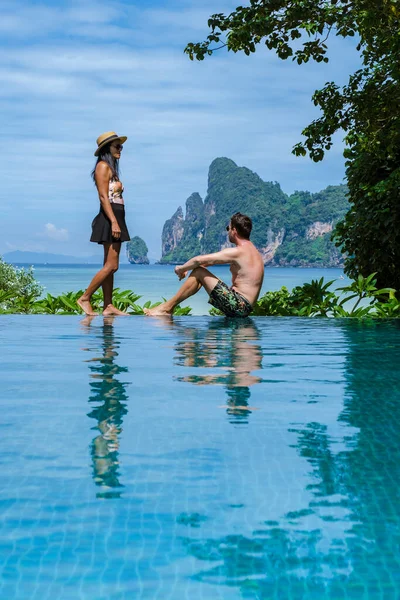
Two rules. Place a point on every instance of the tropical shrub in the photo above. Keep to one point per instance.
(17, 282)
(316, 299)
(276, 304)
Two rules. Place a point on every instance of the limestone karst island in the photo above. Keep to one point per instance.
(290, 230)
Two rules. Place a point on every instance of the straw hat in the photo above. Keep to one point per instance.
(106, 138)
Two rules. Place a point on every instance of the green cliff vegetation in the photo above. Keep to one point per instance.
(288, 230)
(231, 189)
(318, 252)
(136, 251)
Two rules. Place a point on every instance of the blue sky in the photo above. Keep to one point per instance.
(71, 70)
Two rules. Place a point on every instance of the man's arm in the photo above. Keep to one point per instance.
(224, 257)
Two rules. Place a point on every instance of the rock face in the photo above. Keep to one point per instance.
(172, 232)
(288, 230)
(136, 251)
(273, 243)
(317, 229)
(182, 237)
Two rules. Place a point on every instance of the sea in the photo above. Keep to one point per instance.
(156, 282)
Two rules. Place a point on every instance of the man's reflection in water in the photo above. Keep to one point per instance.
(343, 540)
(110, 397)
(229, 345)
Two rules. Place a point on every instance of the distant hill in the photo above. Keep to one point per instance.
(288, 230)
(40, 258)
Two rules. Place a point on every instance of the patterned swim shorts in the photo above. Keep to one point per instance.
(229, 301)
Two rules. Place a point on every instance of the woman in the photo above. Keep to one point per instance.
(109, 227)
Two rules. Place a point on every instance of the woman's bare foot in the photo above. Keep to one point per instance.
(110, 310)
(158, 311)
(87, 320)
(86, 307)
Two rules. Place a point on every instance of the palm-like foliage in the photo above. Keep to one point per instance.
(362, 288)
(316, 299)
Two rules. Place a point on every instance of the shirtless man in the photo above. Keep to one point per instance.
(247, 268)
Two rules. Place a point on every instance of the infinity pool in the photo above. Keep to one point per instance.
(199, 459)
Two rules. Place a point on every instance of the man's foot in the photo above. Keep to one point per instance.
(110, 310)
(86, 307)
(158, 311)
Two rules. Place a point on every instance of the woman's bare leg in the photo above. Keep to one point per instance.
(109, 268)
(108, 287)
(108, 283)
(111, 254)
(198, 278)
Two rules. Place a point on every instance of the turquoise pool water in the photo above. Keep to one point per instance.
(199, 459)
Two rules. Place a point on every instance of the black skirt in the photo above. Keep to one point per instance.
(101, 226)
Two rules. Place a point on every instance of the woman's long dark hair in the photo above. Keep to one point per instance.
(108, 158)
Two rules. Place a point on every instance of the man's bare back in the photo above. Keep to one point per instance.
(248, 272)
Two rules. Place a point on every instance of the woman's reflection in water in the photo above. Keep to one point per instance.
(109, 397)
(229, 345)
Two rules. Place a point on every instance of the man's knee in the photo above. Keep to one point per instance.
(199, 273)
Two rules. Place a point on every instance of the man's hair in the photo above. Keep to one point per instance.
(242, 224)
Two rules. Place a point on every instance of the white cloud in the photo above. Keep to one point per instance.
(59, 235)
